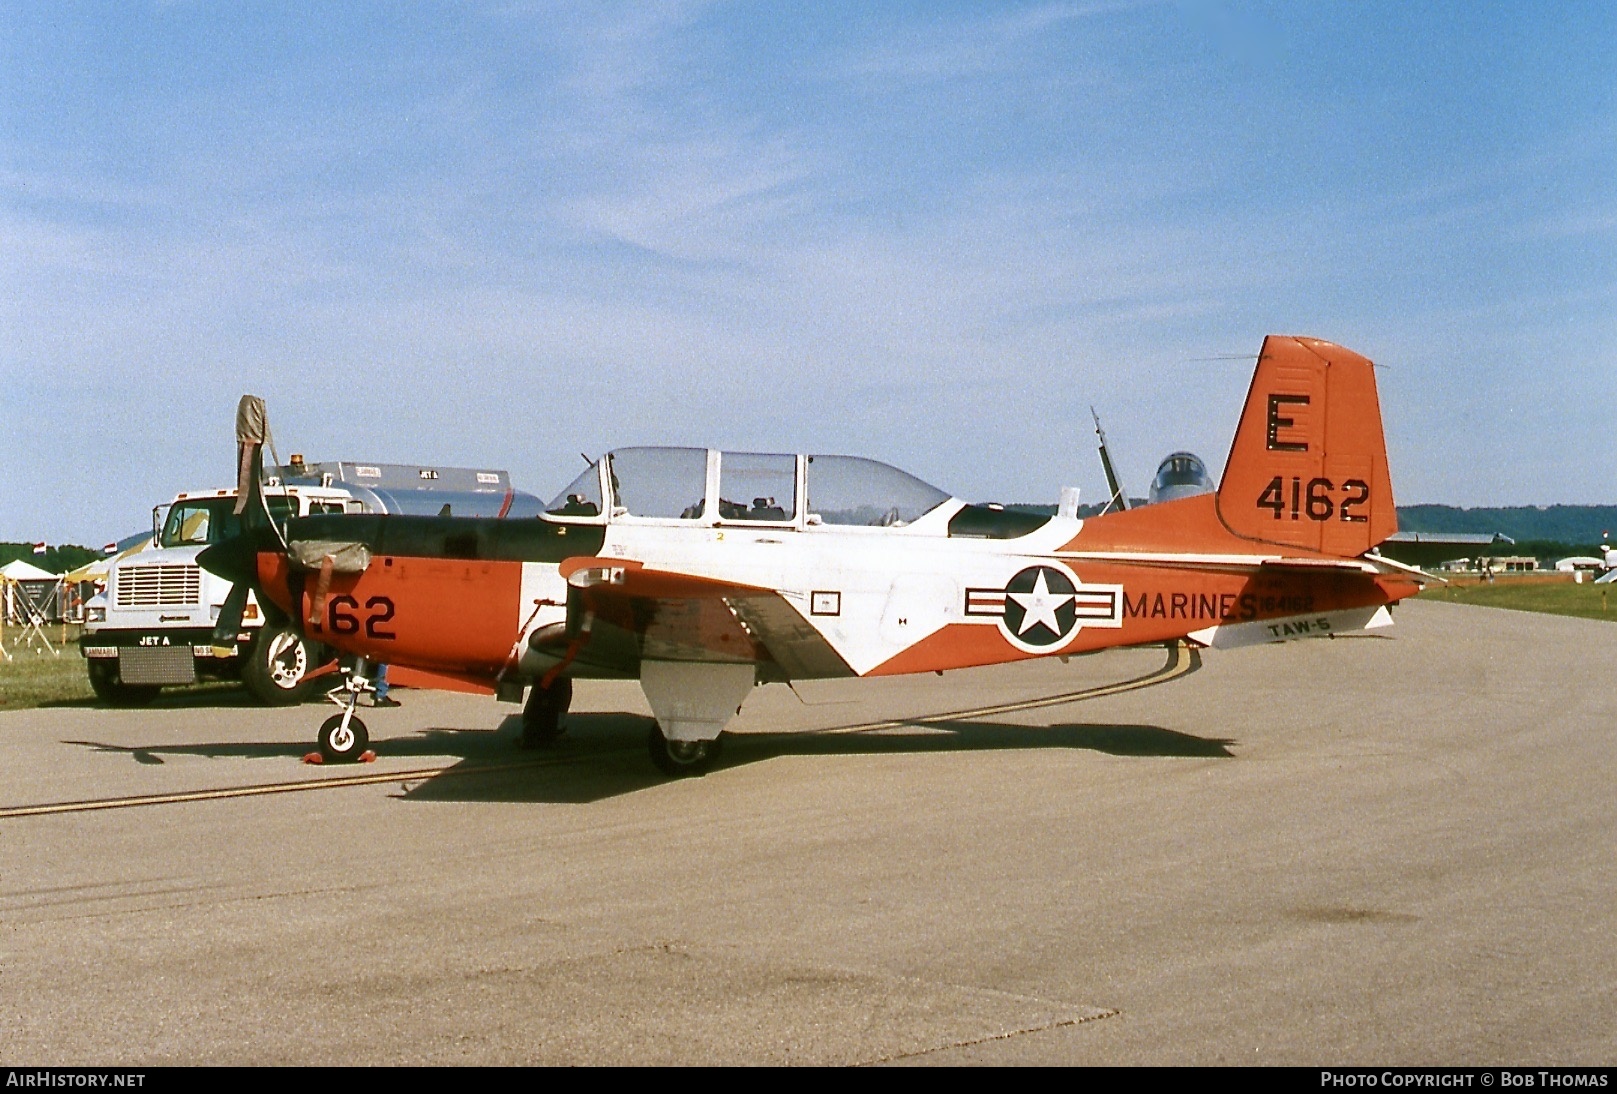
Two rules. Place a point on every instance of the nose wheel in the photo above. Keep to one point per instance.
(343, 738)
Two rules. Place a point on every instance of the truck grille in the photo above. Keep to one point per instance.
(158, 586)
(156, 665)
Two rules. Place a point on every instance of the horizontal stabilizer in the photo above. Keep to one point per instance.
(1330, 624)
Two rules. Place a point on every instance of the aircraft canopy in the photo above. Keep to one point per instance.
(708, 485)
(1180, 475)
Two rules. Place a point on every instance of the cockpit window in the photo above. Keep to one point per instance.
(659, 482)
(582, 498)
(851, 490)
(756, 486)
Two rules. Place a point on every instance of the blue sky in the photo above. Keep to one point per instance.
(504, 234)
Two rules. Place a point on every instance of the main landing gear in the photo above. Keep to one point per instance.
(692, 702)
(678, 759)
(544, 714)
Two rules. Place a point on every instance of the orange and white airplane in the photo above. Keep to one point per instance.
(705, 573)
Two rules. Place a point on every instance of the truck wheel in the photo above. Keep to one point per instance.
(276, 670)
(111, 690)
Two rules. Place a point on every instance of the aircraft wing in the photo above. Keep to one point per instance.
(1365, 564)
(639, 612)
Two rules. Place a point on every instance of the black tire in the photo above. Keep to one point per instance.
(111, 690)
(277, 666)
(680, 759)
(543, 715)
(340, 747)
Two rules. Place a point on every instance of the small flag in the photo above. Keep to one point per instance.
(110, 549)
(39, 548)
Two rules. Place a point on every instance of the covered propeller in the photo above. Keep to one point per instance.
(236, 559)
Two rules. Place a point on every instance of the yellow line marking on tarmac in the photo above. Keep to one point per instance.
(1181, 660)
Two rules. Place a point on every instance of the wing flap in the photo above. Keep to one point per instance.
(796, 646)
(687, 617)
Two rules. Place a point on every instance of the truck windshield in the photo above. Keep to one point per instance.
(199, 522)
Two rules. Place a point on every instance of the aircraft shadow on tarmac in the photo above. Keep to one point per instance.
(468, 745)
(604, 755)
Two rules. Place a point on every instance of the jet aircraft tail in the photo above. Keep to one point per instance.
(1308, 468)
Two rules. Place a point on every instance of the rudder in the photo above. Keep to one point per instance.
(1308, 467)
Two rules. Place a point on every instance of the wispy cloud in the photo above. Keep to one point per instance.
(979, 45)
(534, 228)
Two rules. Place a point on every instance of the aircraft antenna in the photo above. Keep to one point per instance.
(1120, 497)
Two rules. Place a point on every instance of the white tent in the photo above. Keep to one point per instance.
(30, 593)
(18, 570)
(33, 597)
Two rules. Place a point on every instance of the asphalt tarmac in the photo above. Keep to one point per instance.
(1373, 851)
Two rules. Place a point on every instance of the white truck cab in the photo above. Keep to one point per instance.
(154, 625)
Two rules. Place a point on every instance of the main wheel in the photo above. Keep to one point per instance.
(104, 681)
(681, 758)
(341, 744)
(276, 670)
(542, 714)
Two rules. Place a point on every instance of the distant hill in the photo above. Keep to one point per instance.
(56, 560)
(1546, 531)
(1552, 523)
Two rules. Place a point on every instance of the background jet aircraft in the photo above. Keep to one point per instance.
(703, 573)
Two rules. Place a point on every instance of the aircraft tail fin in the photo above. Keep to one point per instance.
(1308, 468)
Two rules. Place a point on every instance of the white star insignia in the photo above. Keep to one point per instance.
(1040, 606)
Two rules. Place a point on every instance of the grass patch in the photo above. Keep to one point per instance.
(1587, 601)
(31, 679)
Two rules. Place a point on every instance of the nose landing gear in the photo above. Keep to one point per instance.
(343, 737)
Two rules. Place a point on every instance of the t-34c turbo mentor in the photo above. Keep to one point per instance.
(704, 573)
